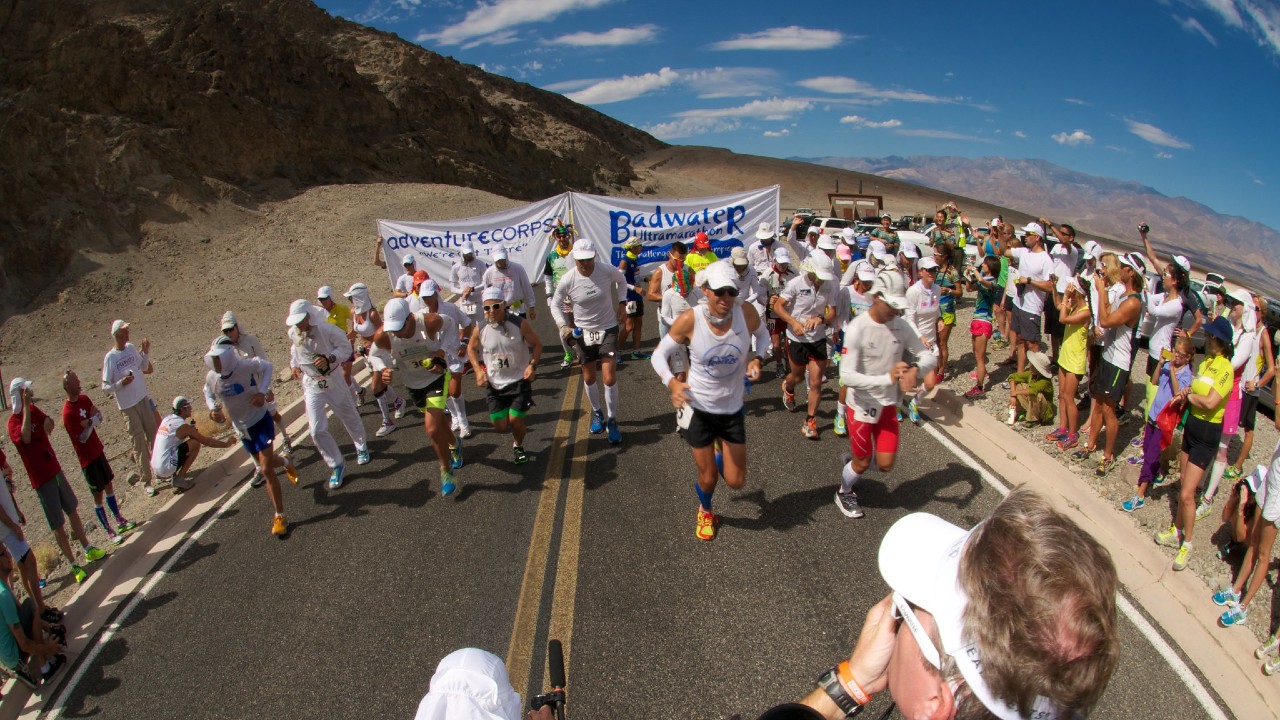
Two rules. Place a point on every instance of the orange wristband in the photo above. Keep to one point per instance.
(846, 676)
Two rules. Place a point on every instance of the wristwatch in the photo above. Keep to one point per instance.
(831, 685)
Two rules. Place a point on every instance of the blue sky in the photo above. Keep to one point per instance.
(1181, 95)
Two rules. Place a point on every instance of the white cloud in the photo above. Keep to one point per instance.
(1076, 138)
(771, 109)
(492, 23)
(1019, 134)
(688, 127)
(1226, 9)
(779, 133)
(610, 38)
(943, 135)
(1193, 25)
(721, 82)
(626, 87)
(793, 37)
(861, 122)
(1077, 101)
(1117, 148)
(1266, 28)
(1162, 155)
(1256, 181)
(849, 86)
(1156, 136)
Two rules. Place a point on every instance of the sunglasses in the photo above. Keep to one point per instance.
(902, 610)
(730, 291)
(495, 306)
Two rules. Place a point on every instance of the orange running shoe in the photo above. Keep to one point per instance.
(706, 529)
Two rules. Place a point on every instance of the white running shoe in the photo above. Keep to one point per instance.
(386, 429)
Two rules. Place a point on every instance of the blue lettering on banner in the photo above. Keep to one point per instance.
(623, 225)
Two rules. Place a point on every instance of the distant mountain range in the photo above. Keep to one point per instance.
(1246, 251)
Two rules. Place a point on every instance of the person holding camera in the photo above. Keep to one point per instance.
(981, 328)
(1065, 255)
(124, 368)
(29, 430)
(1015, 618)
(317, 350)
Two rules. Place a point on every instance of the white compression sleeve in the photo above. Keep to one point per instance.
(660, 361)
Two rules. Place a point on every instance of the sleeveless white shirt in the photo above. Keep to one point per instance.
(717, 363)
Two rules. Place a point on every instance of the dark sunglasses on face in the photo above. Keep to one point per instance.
(730, 291)
(490, 308)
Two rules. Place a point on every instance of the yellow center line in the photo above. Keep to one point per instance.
(525, 625)
(566, 587)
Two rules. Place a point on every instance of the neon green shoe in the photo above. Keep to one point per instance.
(93, 554)
(78, 573)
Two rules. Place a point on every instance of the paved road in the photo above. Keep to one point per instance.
(589, 543)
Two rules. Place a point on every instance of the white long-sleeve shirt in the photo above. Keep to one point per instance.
(467, 275)
(871, 350)
(673, 303)
(923, 309)
(1165, 312)
(322, 339)
(594, 298)
(119, 364)
(517, 291)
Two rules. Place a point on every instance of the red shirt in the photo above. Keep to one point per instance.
(74, 413)
(37, 455)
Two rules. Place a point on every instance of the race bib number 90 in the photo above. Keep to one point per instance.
(592, 337)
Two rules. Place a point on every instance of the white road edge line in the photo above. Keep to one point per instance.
(1148, 631)
(87, 659)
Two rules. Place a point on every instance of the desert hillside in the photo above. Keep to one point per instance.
(127, 114)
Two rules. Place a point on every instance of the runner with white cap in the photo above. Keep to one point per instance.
(248, 345)
(412, 345)
(316, 351)
(124, 371)
(908, 259)
(718, 334)
(775, 279)
(466, 277)
(517, 291)
(505, 352)
(760, 254)
(403, 286)
(807, 306)
(458, 330)
(750, 289)
(805, 247)
(852, 301)
(884, 359)
(240, 390)
(922, 313)
(365, 321)
(682, 295)
(1013, 619)
(827, 245)
(590, 289)
(339, 315)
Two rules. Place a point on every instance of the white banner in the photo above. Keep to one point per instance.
(728, 220)
(525, 233)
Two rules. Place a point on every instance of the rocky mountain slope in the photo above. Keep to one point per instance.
(123, 113)
(1111, 208)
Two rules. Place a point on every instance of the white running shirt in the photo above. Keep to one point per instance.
(717, 363)
(870, 352)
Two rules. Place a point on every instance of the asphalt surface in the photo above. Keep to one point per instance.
(348, 616)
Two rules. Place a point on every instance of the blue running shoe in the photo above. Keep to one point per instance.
(597, 422)
(1235, 615)
(455, 456)
(914, 413)
(1226, 596)
(448, 484)
(615, 435)
(1136, 502)
(335, 479)
(362, 456)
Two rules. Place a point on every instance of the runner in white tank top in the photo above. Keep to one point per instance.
(709, 404)
(365, 320)
(409, 347)
(504, 352)
(169, 459)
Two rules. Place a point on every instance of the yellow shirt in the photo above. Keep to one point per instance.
(698, 262)
(1215, 374)
(340, 316)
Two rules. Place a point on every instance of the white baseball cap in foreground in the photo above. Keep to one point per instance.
(920, 560)
(470, 684)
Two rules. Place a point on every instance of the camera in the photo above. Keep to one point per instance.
(1144, 228)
